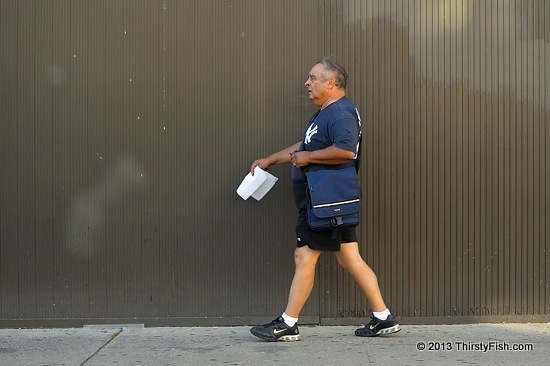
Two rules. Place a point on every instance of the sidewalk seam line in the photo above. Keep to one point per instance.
(103, 346)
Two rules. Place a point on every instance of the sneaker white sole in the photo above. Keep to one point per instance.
(394, 329)
(290, 338)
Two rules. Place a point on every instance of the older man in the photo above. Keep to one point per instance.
(331, 141)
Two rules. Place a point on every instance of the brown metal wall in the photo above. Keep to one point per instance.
(126, 127)
(455, 97)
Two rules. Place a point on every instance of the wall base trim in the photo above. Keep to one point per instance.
(146, 322)
(435, 320)
(254, 320)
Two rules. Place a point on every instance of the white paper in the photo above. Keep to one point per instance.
(265, 186)
(256, 185)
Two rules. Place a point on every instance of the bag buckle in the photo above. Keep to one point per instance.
(337, 221)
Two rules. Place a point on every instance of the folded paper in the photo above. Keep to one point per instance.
(256, 185)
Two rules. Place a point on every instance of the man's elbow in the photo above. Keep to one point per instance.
(348, 155)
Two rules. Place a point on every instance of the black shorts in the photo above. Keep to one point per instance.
(322, 240)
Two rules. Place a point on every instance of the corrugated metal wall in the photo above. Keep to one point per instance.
(456, 99)
(126, 127)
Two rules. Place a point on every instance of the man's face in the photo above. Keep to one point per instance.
(316, 85)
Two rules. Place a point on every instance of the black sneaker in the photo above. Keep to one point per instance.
(378, 327)
(277, 330)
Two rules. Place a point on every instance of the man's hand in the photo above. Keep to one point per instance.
(300, 158)
(261, 163)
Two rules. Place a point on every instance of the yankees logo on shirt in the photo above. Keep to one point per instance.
(312, 130)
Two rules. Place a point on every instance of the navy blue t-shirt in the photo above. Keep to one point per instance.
(339, 124)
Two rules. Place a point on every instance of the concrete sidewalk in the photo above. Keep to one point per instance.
(472, 344)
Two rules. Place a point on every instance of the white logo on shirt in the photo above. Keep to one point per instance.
(310, 132)
(359, 121)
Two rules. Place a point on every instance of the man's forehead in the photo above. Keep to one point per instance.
(317, 69)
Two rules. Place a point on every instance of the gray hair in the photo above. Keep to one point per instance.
(333, 69)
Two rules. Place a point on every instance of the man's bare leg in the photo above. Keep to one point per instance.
(350, 259)
(382, 322)
(284, 328)
(305, 260)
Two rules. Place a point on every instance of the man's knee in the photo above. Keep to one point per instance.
(347, 262)
(342, 261)
(348, 255)
(304, 256)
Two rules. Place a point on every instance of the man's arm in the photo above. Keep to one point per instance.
(280, 157)
(331, 155)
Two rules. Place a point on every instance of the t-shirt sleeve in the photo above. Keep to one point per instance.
(345, 133)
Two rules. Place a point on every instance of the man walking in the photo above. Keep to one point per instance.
(331, 141)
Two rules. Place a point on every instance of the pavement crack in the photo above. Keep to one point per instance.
(102, 346)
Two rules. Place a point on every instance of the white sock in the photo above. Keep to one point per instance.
(382, 315)
(290, 321)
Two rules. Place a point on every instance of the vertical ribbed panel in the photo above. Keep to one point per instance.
(454, 98)
(8, 152)
(126, 126)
